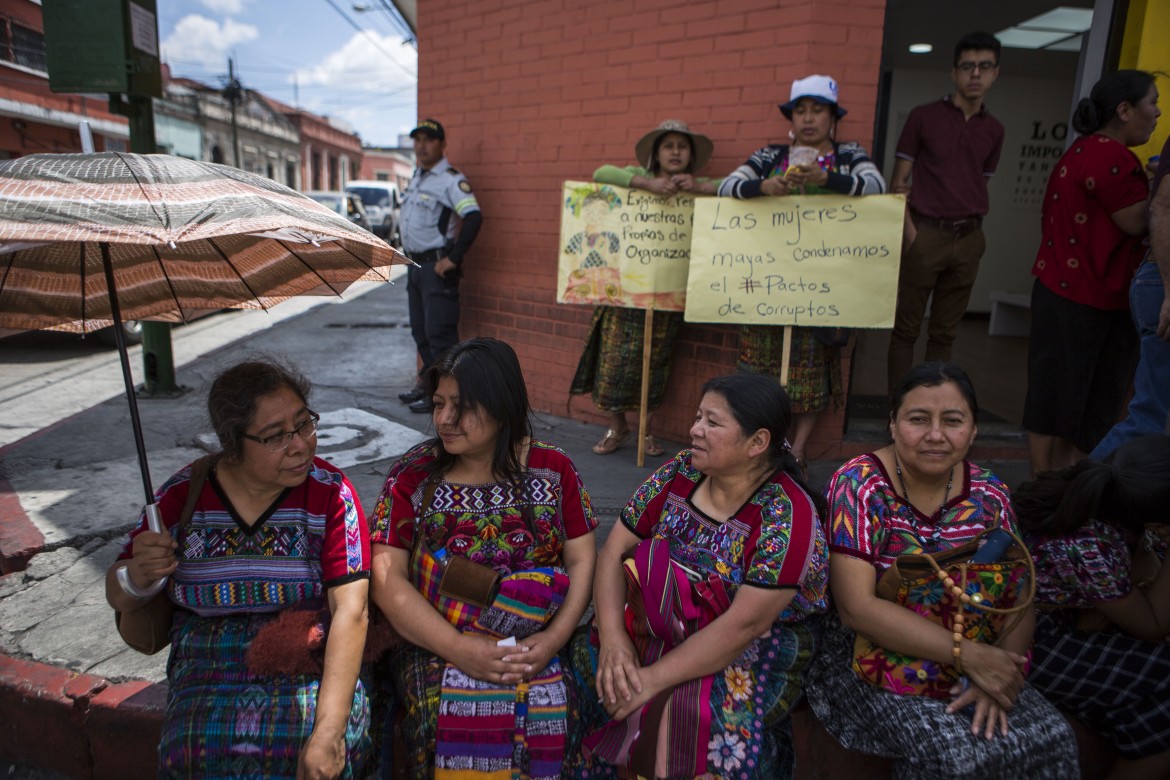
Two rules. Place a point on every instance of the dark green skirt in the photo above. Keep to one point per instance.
(611, 364)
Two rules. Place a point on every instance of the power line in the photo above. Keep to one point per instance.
(373, 40)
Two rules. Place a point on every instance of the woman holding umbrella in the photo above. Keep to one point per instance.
(271, 528)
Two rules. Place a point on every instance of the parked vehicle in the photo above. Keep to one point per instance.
(383, 203)
(347, 204)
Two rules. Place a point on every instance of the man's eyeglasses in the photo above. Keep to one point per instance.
(278, 442)
(967, 67)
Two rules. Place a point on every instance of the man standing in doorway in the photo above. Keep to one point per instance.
(436, 194)
(949, 148)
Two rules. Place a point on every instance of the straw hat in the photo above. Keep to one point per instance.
(702, 146)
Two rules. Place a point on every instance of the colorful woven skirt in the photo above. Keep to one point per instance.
(814, 370)
(223, 721)
(610, 368)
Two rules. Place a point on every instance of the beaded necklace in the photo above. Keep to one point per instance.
(936, 532)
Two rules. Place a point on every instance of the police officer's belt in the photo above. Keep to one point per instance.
(428, 256)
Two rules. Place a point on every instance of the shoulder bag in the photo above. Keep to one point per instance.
(984, 600)
(148, 628)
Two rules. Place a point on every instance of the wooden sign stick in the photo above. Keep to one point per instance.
(647, 343)
(786, 356)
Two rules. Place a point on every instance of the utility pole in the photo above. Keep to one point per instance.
(234, 93)
(119, 39)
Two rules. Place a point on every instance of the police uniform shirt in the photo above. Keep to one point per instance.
(428, 204)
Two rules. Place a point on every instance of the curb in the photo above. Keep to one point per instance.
(20, 540)
(78, 724)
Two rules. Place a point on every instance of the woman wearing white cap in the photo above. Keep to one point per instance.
(610, 368)
(814, 162)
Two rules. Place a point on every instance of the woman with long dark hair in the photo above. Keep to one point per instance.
(1082, 350)
(702, 593)
(484, 491)
(1097, 531)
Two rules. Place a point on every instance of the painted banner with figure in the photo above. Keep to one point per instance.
(820, 260)
(624, 247)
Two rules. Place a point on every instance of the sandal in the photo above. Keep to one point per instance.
(651, 448)
(610, 441)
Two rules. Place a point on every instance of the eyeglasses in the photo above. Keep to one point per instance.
(278, 442)
(969, 66)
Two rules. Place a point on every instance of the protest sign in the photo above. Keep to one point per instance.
(623, 247)
(816, 260)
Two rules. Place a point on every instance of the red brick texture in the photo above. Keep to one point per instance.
(533, 93)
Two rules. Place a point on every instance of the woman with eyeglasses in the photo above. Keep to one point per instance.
(271, 528)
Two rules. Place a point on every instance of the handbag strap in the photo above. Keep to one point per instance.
(200, 469)
(1023, 604)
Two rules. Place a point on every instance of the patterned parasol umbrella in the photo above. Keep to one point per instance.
(90, 240)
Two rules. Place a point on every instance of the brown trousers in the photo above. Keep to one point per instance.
(944, 264)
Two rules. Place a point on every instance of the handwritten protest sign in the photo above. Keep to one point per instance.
(624, 247)
(823, 260)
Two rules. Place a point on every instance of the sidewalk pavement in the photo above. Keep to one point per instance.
(73, 698)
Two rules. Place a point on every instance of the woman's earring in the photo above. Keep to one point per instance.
(791, 137)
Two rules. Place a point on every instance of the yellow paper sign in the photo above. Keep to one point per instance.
(821, 260)
(624, 247)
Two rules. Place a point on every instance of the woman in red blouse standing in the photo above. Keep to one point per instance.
(1082, 350)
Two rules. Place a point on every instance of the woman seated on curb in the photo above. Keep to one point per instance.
(812, 162)
(272, 528)
(702, 594)
(611, 365)
(1097, 531)
(484, 497)
(921, 494)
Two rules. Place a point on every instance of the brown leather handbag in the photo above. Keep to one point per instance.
(148, 628)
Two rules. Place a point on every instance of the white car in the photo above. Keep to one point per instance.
(382, 202)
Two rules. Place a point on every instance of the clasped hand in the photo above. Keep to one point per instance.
(153, 558)
(996, 680)
(623, 684)
(480, 657)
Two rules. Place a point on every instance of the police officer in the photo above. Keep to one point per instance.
(436, 194)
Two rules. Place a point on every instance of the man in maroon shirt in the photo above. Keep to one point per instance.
(950, 147)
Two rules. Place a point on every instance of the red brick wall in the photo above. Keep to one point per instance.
(536, 92)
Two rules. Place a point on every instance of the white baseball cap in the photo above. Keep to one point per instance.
(822, 89)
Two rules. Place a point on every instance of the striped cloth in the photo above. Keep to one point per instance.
(487, 731)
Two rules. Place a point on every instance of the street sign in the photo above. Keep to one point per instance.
(103, 46)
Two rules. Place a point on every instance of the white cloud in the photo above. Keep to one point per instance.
(369, 83)
(224, 6)
(376, 61)
(197, 39)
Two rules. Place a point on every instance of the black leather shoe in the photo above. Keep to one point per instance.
(412, 395)
(421, 406)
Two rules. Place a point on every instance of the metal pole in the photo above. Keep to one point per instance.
(158, 360)
(233, 96)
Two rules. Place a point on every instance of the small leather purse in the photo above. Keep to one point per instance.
(457, 586)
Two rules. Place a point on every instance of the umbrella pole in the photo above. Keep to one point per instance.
(127, 377)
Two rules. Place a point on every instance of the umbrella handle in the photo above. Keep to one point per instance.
(154, 523)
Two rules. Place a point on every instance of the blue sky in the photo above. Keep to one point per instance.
(301, 52)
